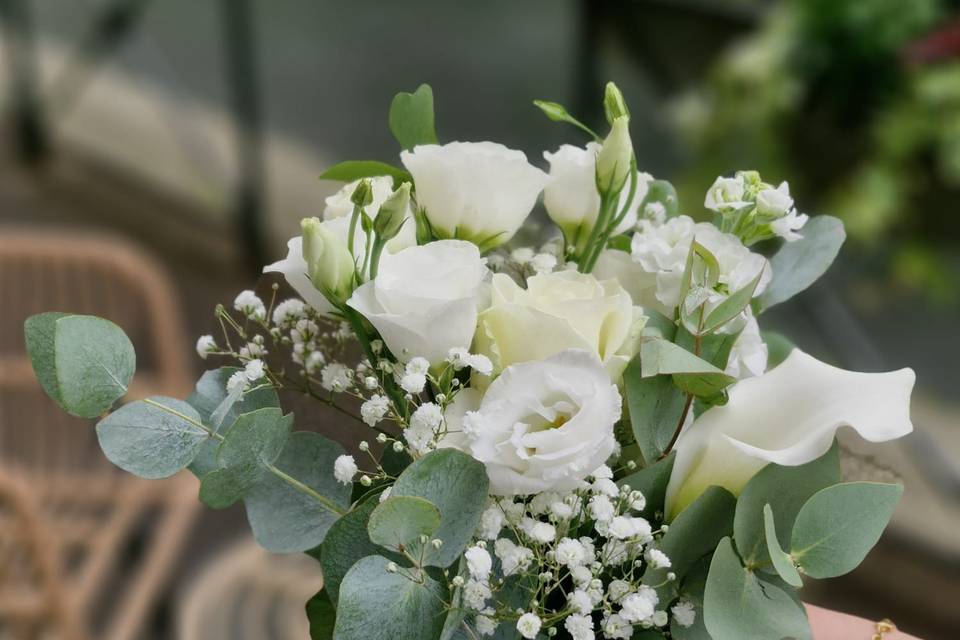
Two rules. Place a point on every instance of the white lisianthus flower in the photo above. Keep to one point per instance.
(807, 401)
(476, 191)
(425, 299)
(563, 310)
(344, 469)
(546, 424)
(571, 195)
(726, 194)
(339, 205)
(641, 284)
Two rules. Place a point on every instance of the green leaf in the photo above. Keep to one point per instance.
(694, 533)
(778, 347)
(83, 363)
(257, 437)
(714, 348)
(652, 482)
(786, 489)
(691, 589)
(731, 307)
(782, 562)
(800, 263)
(411, 118)
(839, 525)
(377, 605)
(659, 326)
(347, 541)
(211, 394)
(399, 521)
(659, 356)
(737, 605)
(222, 487)
(655, 406)
(321, 615)
(457, 485)
(285, 519)
(351, 170)
(152, 438)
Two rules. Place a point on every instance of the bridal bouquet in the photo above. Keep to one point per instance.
(587, 437)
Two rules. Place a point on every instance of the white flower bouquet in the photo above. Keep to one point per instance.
(590, 438)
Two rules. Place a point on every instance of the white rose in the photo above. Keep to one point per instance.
(425, 299)
(558, 311)
(545, 425)
(476, 191)
(789, 416)
(726, 194)
(339, 205)
(571, 196)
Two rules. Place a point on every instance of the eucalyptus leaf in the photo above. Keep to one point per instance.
(663, 193)
(838, 526)
(223, 487)
(321, 615)
(782, 562)
(152, 438)
(457, 485)
(738, 605)
(256, 437)
(652, 482)
(83, 363)
(800, 263)
(732, 306)
(285, 518)
(691, 590)
(351, 170)
(714, 348)
(411, 117)
(655, 405)
(399, 521)
(786, 489)
(377, 605)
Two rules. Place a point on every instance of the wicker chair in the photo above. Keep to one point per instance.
(84, 548)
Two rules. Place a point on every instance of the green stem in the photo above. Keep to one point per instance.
(354, 218)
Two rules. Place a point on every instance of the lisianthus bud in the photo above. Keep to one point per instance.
(393, 213)
(613, 103)
(329, 263)
(613, 161)
(363, 194)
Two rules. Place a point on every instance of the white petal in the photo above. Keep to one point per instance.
(294, 270)
(788, 416)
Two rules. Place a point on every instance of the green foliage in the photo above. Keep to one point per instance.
(398, 522)
(256, 437)
(652, 482)
(558, 113)
(351, 170)
(152, 438)
(377, 605)
(221, 488)
(739, 605)
(778, 347)
(457, 485)
(411, 117)
(662, 192)
(782, 562)
(731, 306)
(210, 398)
(655, 405)
(347, 541)
(691, 373)
(801, 263)
(786, 489)
(838, 526)
(285, 518)
(83, 363)
(692, 588)
(322, 616)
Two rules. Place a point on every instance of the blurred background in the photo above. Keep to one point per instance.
(155, 153)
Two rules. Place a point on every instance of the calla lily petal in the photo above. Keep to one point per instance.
(788, 416)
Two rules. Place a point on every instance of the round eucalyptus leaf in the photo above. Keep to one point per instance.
(782, 562)
(838, 526)
(152, 438)
(222, 487)
(256, 437)
(399, 521)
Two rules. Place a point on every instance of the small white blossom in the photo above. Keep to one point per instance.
(544, 262)
(484, 625)
(637, 501)
(614, 552)
(617, 589)
(639, 606)
(606, 487)
(789, 225)
(580, 627)
(238, 379)
(250, 305)
(512, 557)
(570, 552)
(335, 377)
(542, 532)
(418, 365)
(205, 344)
(601, 509)
(655, 212)
(314, 361)
(254, 370)
(344, 469)
(479, 563)
(580, 602)
(460, 358)
(657, 559)
(476, 594)
(561, 510)
(491, 522)
(522, 255)
(684, 613)
(288, 311)
(424, 423)
(413, 382)
(616, 628)
(513, 510)
(371, 383)
(384, 494)
(581, 576)
(373, 410)
(660, 618)
(529, 625)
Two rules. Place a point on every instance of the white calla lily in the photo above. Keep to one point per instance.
(788, 416)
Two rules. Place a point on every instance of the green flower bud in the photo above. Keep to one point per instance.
(613, 103)
(363, 194)
(613, 161)
(393, 213)
(329, 263)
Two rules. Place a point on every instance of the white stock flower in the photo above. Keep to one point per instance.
(571, 197)
(476, 191)
(344, 469)
(726, 194)
(529, 625)
(205, 344)
(789, 416)
(425, 299)
(339, 205)
(546, 424)
(559, 311)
